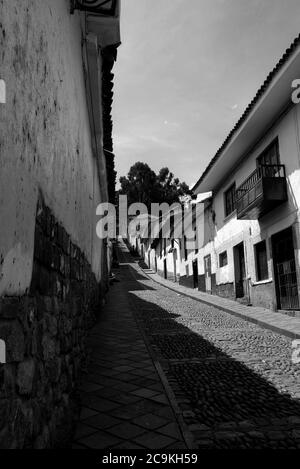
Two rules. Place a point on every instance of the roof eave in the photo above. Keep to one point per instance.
(267, 105)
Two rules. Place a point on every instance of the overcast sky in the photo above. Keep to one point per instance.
(186, 70)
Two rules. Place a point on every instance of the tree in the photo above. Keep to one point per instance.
(139, 184)
(143, 185)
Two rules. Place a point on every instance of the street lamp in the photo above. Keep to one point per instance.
(100, 7)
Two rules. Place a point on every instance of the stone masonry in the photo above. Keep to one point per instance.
(45, 332)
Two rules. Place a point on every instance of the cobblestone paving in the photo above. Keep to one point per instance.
(235, 382)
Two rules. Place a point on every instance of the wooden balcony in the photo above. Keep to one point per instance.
(264, 190)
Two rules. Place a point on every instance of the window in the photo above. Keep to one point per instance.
(185, 248)
(261, 261)
(270, 156)
(269, 159)
(194, 217)
(196, 242)
(230, 200)
(223, 259)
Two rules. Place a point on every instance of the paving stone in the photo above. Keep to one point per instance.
(83, 430)
(150, 421)
(108, 372)
(107, 393)
(102, 421)
(126, 430)
(99, 404)
(143, 382)
(165, 412)
(105, 381)
(162, 398)
(256, 435)
(126, 377)
(153, 440)
(144, 392)
(126, 387)
(127, 413)
(90, 387)
(95, 378)
(205, 444)
(123, 368)
(126, 398)
(100, 440)
(156, 387)
(128, 445)
(294, 420)
(172, 430)
(176, 446)
(275, 435)
(199, 427)
(245, 425)
(140, 372)
(86, 412)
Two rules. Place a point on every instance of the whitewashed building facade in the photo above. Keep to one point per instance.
(250, 247)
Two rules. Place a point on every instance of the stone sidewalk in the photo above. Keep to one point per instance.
(124, 403)
(275, 321)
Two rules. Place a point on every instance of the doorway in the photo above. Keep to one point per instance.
(285, 270)
(165, 269)
(239, 270)
(207, 272)
(175, 264)
(195, 273)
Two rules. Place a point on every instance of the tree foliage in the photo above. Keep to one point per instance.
(142, 184)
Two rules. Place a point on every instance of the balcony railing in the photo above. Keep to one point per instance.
(264, 189)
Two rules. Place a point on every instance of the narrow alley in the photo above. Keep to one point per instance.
(169, 372)
(149, 228)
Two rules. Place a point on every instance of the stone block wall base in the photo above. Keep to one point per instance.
(45, 333)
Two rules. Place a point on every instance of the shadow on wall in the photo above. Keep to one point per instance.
(45, 334)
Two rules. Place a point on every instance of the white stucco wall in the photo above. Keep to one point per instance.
(45, 139)
(230, 231)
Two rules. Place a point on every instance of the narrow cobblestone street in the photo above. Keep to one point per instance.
(124, 404)
(170, 372)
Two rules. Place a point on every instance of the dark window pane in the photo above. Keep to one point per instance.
(223, 259)
(270, 157)
(185, 248)
(230, 200)
(261, 261)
